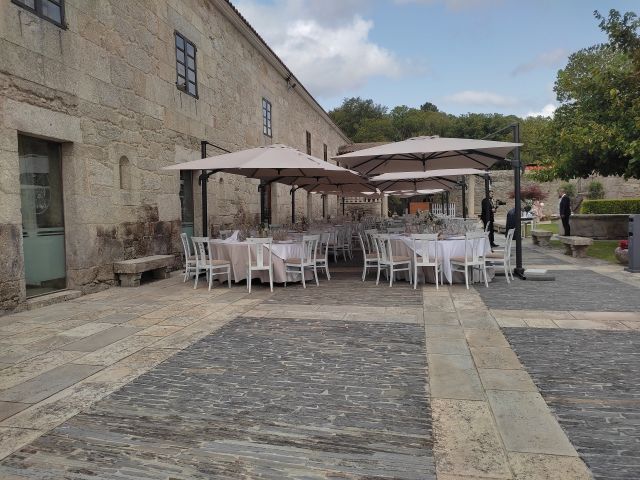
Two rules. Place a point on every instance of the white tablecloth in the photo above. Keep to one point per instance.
(403, 246)
(236, 252)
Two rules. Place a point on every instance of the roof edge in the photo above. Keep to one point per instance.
(244, 27)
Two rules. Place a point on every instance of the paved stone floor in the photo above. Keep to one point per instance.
(345, 380)
(591, 380)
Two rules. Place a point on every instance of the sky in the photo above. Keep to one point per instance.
(484, 56)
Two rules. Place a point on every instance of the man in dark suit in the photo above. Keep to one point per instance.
(487, 216)
(565, 211)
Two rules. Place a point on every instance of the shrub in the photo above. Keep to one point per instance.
(626, 206)
(530, 192)
(569, 189)
(624, 244)
(595, 191)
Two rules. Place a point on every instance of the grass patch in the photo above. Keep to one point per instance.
(601, 249)
(549, 227)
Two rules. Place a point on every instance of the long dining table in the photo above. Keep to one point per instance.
(402, 245)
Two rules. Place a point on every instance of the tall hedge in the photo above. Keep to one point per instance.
(627, 206)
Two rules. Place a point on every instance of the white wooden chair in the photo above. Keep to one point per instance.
(395, 230)
(503, 257)
(308, 259)
(189, 258)
(370, 259)
(322, 260)
(259, 245)
(388, 261)
(427, 246)
(473, 257)
(338, 244)
(369, 241)
(205, 261)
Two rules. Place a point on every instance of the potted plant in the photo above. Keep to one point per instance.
(622, 252)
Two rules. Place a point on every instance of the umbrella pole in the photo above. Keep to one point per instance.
(324, 206)
(204, 179)
(343, 197)
(519, 270)
(264, 217)
(464, 197)
(447, 197)
(293, 205)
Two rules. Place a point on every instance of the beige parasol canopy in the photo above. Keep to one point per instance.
(426, 153)
(433, 179)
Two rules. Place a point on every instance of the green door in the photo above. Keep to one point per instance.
(42, 215)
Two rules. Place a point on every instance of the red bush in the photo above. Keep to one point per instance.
(624, 244)
(530, 192)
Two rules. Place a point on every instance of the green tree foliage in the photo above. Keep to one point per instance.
(596, 129)
(353, 112)
(428, 107)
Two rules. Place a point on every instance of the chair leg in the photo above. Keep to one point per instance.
(466, 277)
(391, 275)
(506, 273)
(271, 279)
(378, 277)
(196, 280)
(436, 267)
(415, 276)
(249, 280)
(326, 269)
(186, 273)
(229, 276)
(210, 279)
(315, 274)
(484, 271)
(304, 285)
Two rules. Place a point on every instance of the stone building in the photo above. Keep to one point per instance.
(97, 96)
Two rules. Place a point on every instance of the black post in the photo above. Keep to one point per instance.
(343, 197)
(487, 186)
(324, 205)
(204, 179)
(293, 204)
(464, 197)
(447, 196)
(519, 271)
(442, 201)
(264, 216)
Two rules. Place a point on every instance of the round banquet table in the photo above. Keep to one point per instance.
(236, 253)
(453, 247)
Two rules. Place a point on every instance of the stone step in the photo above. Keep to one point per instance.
(539, 275)
(51, 298)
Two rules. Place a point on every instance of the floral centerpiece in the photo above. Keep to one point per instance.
(622, 252)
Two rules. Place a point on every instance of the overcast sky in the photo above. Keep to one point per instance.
(463, 55)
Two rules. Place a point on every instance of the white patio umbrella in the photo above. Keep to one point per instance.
(426, 153)
(271, 163)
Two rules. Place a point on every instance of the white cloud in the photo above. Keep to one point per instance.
(481, 99)
(327, 48)
(455, 5)
(544, 60)
(547, 111)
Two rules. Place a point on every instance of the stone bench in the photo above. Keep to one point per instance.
(500, 226)
(576, 246)
(541, 237)
(130, 271)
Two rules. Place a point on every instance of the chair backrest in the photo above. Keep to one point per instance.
(185, 245)
(199, 248)
(369, 241)
(260, 245)
(383, 243)
(323, 244)
(309, 248)
(362, 245)
(425, 245)
(486, 227)
(507, 248)
(473, 246)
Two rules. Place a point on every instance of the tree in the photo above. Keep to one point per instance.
(429, 107)
(596, 129)
(353, 112)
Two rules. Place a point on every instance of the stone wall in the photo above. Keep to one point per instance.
(105, 88)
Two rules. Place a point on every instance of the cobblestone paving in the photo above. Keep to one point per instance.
(259, 399)
(342, 291)
(571, 290)
(591, 379)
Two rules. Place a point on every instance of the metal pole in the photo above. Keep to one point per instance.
(487, 186)
(519, 271)
(464, 197)
(204, 179)
(264, 216)
(343, 198)
(324, 205)
(447, 196)
(293, 205)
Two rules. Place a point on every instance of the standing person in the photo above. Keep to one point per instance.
(565, 211)
(487, 216)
